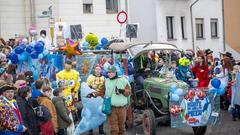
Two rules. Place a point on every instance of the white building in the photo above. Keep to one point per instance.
(96, 16)
(170, 21)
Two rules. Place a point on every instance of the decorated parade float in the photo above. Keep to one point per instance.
(162, 99)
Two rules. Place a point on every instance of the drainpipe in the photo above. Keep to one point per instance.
(191, 7)
(223, 20)
(32, 12)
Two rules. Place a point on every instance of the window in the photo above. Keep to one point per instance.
(87, 8)
(199, 28)
(170, 30)
(214, 28)
(112, 6)
(183, 26)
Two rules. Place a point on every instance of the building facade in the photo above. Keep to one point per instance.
(96, 16)
(170, 21)
(232, 21)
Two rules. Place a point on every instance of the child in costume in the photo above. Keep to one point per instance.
(97, 82)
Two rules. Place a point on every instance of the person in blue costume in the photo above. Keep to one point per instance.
(183, 71)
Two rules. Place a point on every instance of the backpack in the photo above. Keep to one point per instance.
(43, 114)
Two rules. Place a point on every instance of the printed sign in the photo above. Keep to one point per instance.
(197, 107)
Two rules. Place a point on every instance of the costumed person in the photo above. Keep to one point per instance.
(183, 71)
(27, 111)
(224, 77)
(119, 90)
(60, 34)
(69, 79)
(97, 82)
(235, 94)
(200, 70)
(11, 122)
(45, 39)
(210, 62)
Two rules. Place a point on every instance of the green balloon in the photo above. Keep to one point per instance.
(92, 39)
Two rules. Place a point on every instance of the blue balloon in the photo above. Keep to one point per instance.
(45, 52)
(40, 56)
(85, 45)
(23, 46)
(104, 73)
(29, 49)
(23, 57)
(178, 92)
(174, 98)
(221, 91)
(223, 85)
(104, 41)
(173, 88)
(41, 42)
(19, 50)
(216, 83)
(99, 47)
(39, 48)
(34, 55)
(14, 58)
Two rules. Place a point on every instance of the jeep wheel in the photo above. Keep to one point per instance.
(149, 125)
(199, 130)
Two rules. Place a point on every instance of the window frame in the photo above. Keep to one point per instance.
(199, 28)
(91, 8)
(113, 7)
(183, 27)
(214, 21)
(170, 27)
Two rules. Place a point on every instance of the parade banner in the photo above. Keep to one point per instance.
(195, 107)
(85, 65)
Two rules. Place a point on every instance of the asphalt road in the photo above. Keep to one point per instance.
(227, 127)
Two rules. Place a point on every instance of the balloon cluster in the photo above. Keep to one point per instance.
(218, 87)
(176, 93)
(91, 42)
(23, 51)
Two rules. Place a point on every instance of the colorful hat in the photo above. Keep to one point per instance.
(228, 54)
(111, 69)
(208, 51)
(6, 87)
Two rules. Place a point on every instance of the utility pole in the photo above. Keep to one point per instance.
(223, 19)
(191, 12)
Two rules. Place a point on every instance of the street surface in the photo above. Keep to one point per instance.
(228, 127)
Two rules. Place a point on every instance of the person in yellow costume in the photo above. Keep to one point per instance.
(69, 79)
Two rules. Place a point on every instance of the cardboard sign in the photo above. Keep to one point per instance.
(196, 107)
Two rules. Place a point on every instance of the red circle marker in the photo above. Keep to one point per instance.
(122, 21)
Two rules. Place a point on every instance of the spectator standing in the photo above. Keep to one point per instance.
(27, 111)
(63, 119)
(45, 100)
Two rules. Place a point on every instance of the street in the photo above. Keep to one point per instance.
(227, 126)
